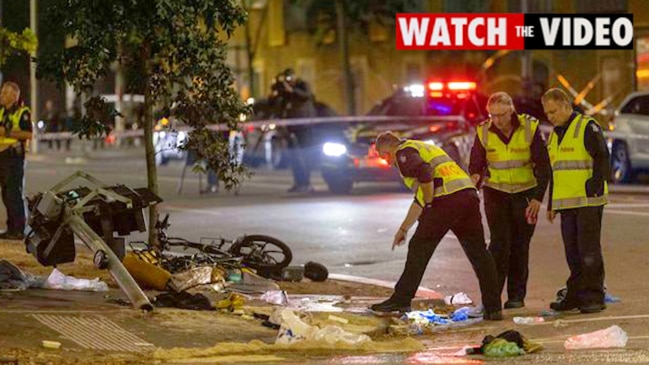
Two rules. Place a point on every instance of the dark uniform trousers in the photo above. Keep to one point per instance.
(460, 213)
(12, 172)
(581, 230)
(510, 239)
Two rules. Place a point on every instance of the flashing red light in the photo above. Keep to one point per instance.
(250, 128)
(461, 85)
(383, 162)
(435, 85)
(434, 128)
(436, 94)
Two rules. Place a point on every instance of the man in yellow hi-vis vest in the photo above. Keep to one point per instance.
(510, 158)
(15, 131)
(578, 191)
(445, 199)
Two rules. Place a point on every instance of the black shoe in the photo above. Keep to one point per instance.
(293, 189)
(391, 305)
(12, 236)
(592, 308)
(563, 305)
(493, 316)
(513, 304)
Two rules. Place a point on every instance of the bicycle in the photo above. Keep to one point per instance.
(259, 252)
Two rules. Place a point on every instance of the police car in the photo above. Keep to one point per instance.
(439, 112)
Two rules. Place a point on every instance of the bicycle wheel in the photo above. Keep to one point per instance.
(262, 252)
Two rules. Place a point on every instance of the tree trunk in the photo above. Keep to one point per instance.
(343, 49)
(151, 170)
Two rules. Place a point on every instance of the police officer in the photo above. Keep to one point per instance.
(578, 191)
(445, 199)
(15, 131)
(510, 158)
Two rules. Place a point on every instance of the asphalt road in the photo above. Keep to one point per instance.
(352, 235)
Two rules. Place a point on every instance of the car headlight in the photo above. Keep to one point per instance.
(334, 149)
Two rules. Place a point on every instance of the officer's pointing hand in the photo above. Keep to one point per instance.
(399, 238)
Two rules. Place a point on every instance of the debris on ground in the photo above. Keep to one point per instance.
(12, 278)
(613, 336)
(505, 344)
(58, 280)
(458, 299)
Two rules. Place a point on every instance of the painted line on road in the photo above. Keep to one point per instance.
(628, 205)
(421, 291)
(595, 319)
(624, 212)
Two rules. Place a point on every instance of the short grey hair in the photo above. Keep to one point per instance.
(557, 95)
(502, 98)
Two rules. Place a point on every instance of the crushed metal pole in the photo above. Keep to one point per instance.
(92, 213)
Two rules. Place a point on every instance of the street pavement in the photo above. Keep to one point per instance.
(352, 235)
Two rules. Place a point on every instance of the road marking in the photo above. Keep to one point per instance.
(632, 205)
(624, 212)
(421, 291)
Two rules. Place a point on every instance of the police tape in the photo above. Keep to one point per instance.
(271, 124)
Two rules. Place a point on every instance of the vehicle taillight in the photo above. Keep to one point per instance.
(460, 89)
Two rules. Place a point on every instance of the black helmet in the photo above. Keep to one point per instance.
(315, 271)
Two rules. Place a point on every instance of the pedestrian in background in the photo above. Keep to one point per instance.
(15, 131)
(445, 199)
(296, 101)
(578, 191)
(510, 160)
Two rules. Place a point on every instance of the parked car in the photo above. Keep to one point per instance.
(628, 139)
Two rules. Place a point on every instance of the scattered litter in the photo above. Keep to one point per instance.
(613, 336)
(233, 302)
(458, 299)
(278, 297)
(183, 300)
(500, 347)
(508, 343)
(51, 344)
(608, 298)
(196, 276)
(58, 280)
(293, 330)
(528, 320)
(12, 278)
(549, 313)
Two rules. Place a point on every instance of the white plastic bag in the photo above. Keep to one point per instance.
(458, 299)
(278, 297)
(335, 334)
(292, 328)
(60, 281)
(613, 336)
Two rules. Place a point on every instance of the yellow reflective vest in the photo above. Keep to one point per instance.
(453, 177)
(572, 166)
(510, 165)
(14, 118)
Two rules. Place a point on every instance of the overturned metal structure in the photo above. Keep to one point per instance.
(93, 213)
